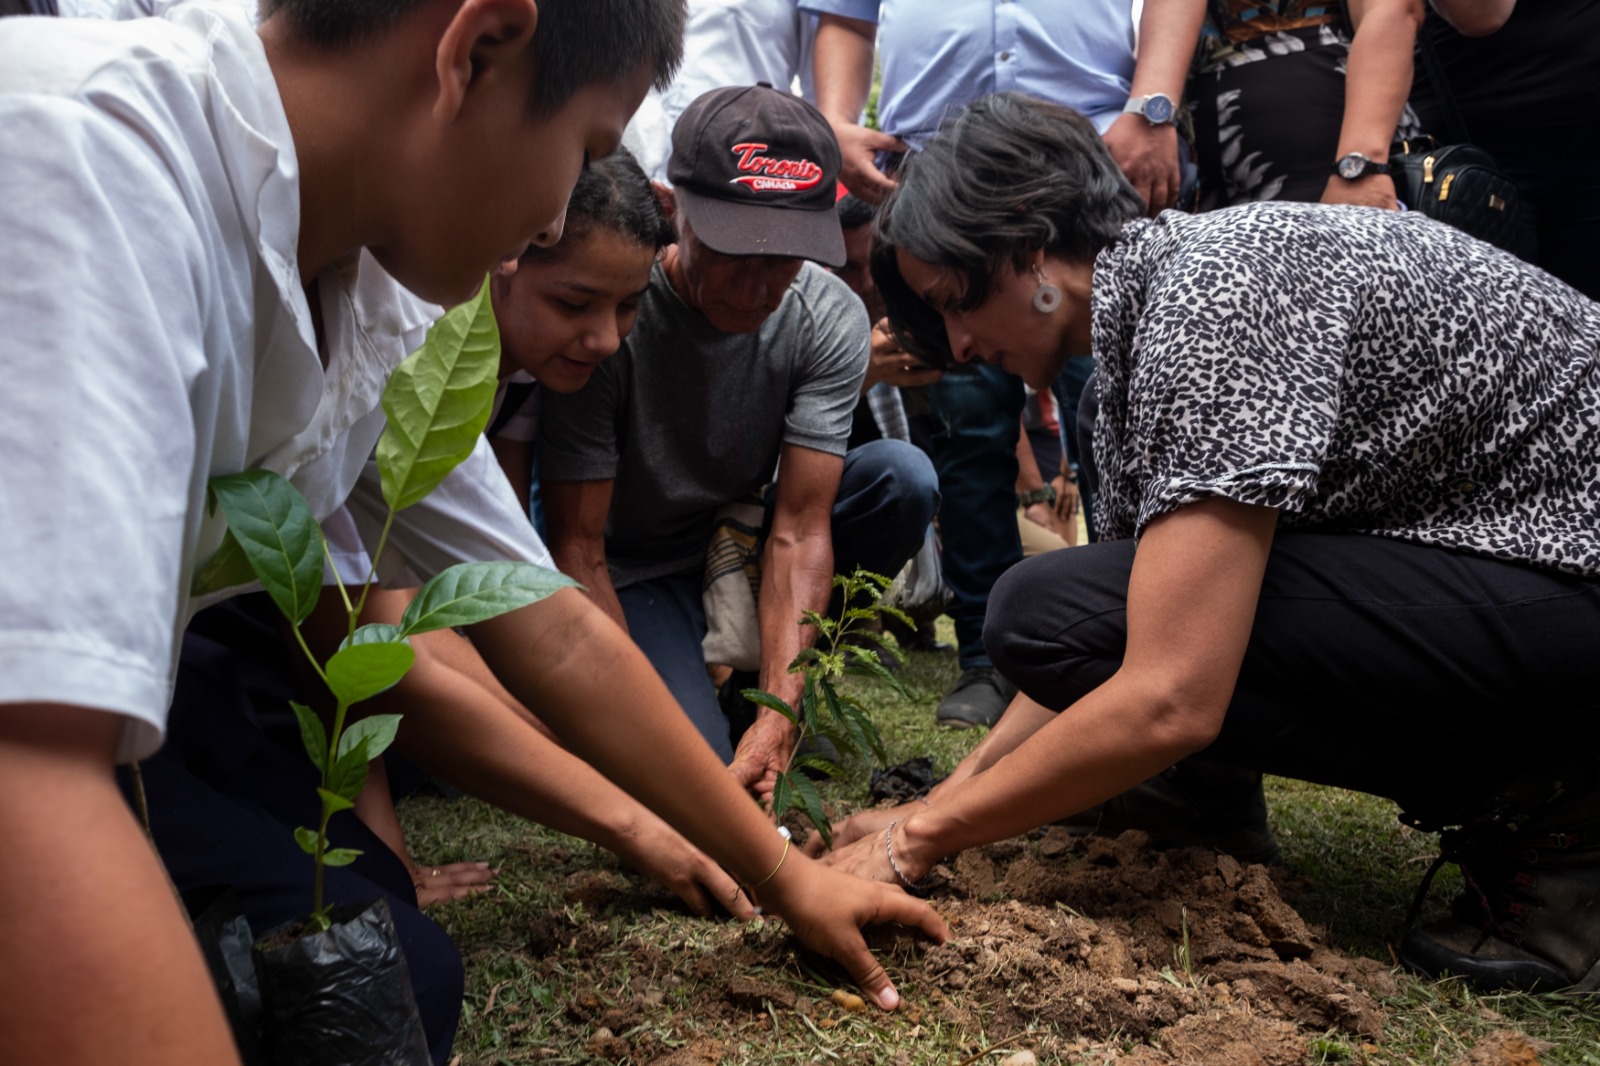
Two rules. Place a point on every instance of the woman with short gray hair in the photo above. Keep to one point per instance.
(1348, 494)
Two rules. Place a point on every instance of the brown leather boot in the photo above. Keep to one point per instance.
(1530, 915)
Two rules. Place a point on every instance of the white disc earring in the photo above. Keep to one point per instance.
(1047, 297)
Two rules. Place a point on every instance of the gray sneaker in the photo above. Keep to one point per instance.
(978, 698)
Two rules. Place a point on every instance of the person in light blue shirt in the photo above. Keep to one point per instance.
(938, 56)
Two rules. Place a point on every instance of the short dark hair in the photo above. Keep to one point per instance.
(612, 195)
(854, 212)
(1004, 177)
(577, 42)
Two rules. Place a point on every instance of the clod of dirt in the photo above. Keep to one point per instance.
(748, 993)
(1505, 1048)
(605, 1044)
(1021, 1058)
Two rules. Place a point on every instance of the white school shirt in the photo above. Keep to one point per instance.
(154, 333)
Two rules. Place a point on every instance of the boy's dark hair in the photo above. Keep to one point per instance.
(1004, 177)
(577, 42)
(854, 212)
(612, 195)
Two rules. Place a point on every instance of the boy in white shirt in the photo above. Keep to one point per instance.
(217, 225)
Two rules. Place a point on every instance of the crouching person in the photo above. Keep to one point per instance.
(746, 358)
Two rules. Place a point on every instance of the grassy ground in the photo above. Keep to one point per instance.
(1352, 870)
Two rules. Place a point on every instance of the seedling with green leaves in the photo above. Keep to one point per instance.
(845, 646)
(437, 402)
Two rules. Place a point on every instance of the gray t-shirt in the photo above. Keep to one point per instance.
(686, 418)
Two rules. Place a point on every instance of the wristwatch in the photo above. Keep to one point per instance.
(1042, 494)
(1157, 108)
(1355, 165)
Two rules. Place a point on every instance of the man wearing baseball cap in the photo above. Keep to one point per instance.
(742, 371)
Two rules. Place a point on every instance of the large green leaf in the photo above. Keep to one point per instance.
(438, 402)
(279, 533)
(227, 568)
(376, 732)
(763, 698)
(807, 799)
(361, 671)
(334, 803)
(312, 735)
(471, 592)
(280, 537)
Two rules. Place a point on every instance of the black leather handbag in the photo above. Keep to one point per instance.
(1457, 183)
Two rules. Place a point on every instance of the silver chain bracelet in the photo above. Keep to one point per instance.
(888, 849)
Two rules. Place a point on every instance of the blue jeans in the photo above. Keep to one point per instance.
(887, 496)
(1069, 387)
(977, 418)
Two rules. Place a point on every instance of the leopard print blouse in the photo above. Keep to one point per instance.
(1360, 370)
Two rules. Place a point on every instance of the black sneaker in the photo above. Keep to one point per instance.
(980, 695)
(1195, 804)
(1529, 917)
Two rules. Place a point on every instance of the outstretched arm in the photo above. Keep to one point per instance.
(460, 726)
(796, 576)
(1376, 85)
(1191, 602)
(95, 924)
(600, 694)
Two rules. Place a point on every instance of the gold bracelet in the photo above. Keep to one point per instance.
(786, 842)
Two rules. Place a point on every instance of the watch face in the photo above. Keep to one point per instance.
(1352, 167)
(1158, 109)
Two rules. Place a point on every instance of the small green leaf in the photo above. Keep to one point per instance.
(361, 671)
(763, 698)
(376, 732)
(341, 856)
(280, 537)
(898, 614)
(815, 761)
(334, 803)
(312, 735)
(472, 592)
(228, 568)
(806, 798)
(307, 839)
(807, 655)
(438, 401)
(782, 796)
(864, 662)
(349, 773)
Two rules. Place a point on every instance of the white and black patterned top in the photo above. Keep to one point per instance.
(1360, 370)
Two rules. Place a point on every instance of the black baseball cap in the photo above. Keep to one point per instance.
(756, 172)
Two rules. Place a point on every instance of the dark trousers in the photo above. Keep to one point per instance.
(1558, 174)
(1432, 677)
(887, 497)
(977, 419)
(225, 796)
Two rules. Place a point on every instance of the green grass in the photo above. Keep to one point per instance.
(532, 953)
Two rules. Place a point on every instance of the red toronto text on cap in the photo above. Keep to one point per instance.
(766, 174)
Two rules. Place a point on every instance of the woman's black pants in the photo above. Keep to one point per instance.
(1442, 680)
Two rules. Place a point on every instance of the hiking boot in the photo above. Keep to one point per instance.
(1195, 804)
(1529, 917)
(979, 697)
